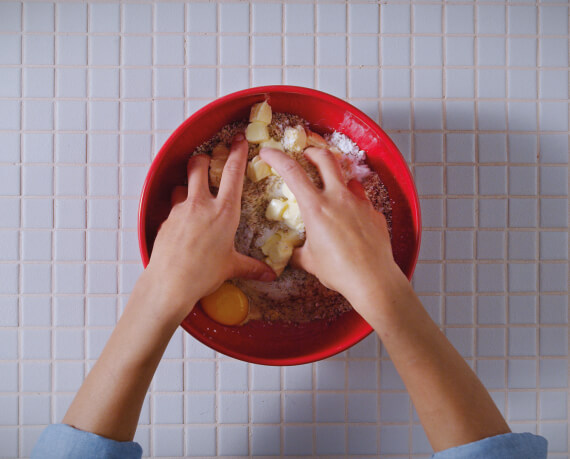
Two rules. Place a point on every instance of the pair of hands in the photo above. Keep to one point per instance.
(347, 245)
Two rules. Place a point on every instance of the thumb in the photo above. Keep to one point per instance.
(250, 268)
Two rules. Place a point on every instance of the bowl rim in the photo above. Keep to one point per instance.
(260, 90)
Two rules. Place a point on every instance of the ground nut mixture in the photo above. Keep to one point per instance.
(295, 296)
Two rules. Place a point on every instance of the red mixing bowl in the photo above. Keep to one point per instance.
(278, 343)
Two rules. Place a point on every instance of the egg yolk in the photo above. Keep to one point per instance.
(228, 305)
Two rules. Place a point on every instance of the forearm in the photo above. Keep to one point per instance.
(453, 406)
(110, 400)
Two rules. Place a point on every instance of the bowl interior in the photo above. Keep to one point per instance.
(282, 344)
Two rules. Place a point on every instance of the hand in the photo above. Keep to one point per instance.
(348, 244)
(194, 251)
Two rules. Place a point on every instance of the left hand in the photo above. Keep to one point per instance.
(194, 250)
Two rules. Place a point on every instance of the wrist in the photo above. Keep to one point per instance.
(379, 292)
(154, 296)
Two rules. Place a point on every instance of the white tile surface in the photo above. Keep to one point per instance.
(104, 17)
(71, 50)
(137, 18)
(12, 53)
(11, 17)
(36, 311)
(68, 376)
(71, 18)
(474, 94)
(169, 82)
(169, 17)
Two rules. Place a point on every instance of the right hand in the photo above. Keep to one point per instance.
(348, 245)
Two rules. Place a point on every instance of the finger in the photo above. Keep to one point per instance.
(357, 189)
(198, 174)
(249, 268)
(292, 172)
(231, 184)
(327, 165)
(178, 195)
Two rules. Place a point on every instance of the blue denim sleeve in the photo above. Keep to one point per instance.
(60, 441)
(507, 446)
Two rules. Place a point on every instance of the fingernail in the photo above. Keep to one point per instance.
(239, 137)
(267, 277)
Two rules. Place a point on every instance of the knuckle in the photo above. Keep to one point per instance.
(317, 152)
(290, 167)
(226, 205)
(232, 167)
(345, 197)
(195, 203)
(320, 151)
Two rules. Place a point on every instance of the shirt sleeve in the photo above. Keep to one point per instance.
(60, 441)
(506, 446)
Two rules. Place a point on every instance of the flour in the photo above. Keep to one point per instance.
(354, 166)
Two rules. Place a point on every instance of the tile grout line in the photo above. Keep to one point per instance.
(443, 291)
(537, 234)
(283, 64)
(507, 193)
(87, 180)
(20, 338)
(52, 233)
(315, 46)
(477, 177)
(218, 51)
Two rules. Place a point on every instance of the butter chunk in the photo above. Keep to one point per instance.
(287, 192)
(260, 113)
(292, 217)
(316, 140)
(270, 242)
(292, 237)
(272, 143)
(278, 267)
(256, 132)
(275, 209)
(294, 138)
(278, 249)
(278, 252)
(257, 169)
